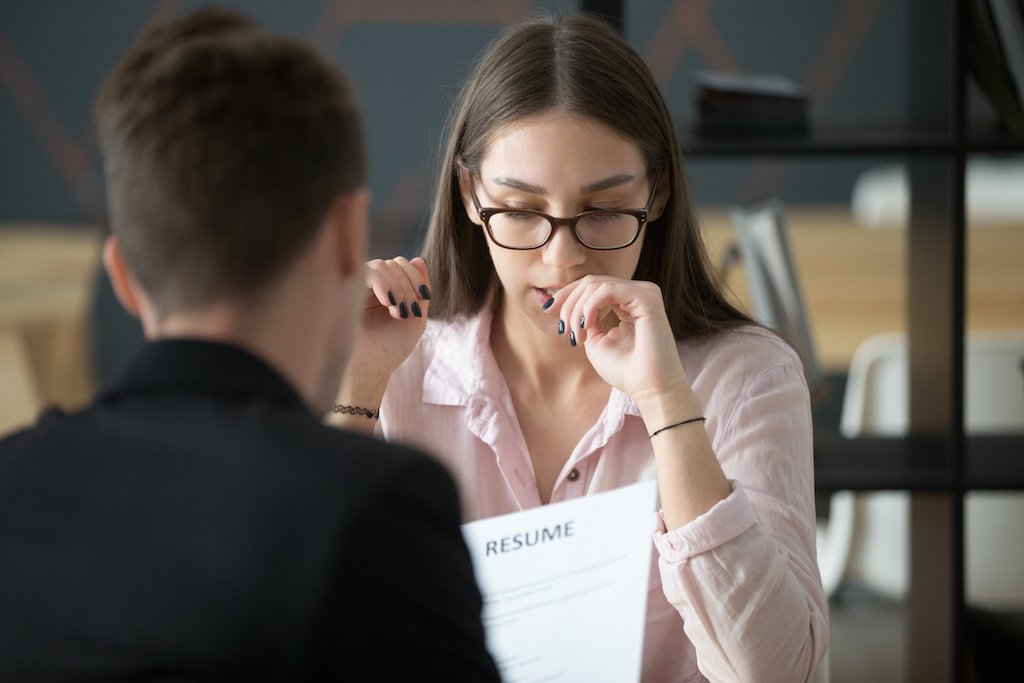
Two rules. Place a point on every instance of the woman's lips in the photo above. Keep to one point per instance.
(545, 293)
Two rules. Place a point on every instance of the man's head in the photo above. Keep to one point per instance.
(224, 146)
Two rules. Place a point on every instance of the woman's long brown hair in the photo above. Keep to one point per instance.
(578, 65)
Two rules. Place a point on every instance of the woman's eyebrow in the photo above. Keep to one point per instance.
(518, 185)
(597, 186)
(606, 183)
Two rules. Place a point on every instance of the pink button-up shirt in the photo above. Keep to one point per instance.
(735, 595)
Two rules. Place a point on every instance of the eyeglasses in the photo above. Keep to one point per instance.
(525, 229)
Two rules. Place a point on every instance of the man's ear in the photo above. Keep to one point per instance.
(125, 287)
(349, 216)
(465, 192)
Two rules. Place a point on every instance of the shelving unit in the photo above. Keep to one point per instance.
(936, 462)
(848, 142)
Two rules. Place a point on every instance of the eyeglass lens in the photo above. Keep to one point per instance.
(603, 230)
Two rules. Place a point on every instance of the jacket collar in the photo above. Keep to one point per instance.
(190, 366)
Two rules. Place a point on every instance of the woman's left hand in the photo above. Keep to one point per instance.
(637, 354)
(625, 333)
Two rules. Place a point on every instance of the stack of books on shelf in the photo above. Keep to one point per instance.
(732, 104)
(995, 57)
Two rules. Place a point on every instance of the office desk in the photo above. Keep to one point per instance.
(853, 282)
(47, 274)
(854, 279)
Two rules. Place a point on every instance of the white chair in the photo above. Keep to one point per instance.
(771, 279)
(876, 403)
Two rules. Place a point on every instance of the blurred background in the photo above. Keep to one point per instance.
(407, 59)
(841, 215)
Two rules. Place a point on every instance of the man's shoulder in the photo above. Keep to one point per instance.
(345, 449)
(217, 442)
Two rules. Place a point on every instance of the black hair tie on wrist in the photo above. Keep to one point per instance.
(678, 424)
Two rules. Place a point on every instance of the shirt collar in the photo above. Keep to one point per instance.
(463, 370)
(190, 366)
(463, 366)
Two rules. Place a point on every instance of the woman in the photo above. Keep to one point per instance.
(570, 356)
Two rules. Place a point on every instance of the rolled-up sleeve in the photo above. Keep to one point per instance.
(743, 576)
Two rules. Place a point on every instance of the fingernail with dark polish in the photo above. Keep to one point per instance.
(416, 310)
(424, 292)
(583, 321)
(401, 310)
(547, 304)
(561, 327)
(391, 298)
(572, 337)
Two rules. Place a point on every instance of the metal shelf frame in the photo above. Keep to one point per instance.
(936, 462)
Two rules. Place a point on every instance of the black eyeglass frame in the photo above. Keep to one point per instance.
(640, 214)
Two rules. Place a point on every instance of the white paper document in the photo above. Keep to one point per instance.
(565, 586)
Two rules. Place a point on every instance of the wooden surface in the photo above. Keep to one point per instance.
(854, 279)
(19, 401)
(47, 275)
(853, 282)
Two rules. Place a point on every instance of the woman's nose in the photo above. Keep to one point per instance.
(564, 250)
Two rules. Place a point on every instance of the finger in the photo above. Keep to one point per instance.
(587, 313)
(412, 282)
(595, 296)
(424, 285)
(392, 288)
(589, 307)
(570, 312)
(557, 304)
(403, 292)
(381, 278)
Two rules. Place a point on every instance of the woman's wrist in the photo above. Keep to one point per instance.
(362, 388)
(357, 404)
(662, 409)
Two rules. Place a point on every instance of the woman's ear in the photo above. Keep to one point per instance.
(465, 191)
(661, 196)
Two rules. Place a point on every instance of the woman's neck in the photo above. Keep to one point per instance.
(525, 353)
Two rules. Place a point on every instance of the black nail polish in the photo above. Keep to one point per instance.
(572, 338)
(561, 327)
(583, 321)
(416, 310)
(547, 304)
(401, 310)
(424, 292)
(391, 298)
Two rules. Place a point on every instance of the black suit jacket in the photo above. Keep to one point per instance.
(197, 522)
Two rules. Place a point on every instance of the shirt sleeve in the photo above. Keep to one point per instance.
(744, 576)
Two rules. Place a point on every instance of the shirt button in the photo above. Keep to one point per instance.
(574, 475)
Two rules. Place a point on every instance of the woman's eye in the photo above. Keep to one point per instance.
(518, 216)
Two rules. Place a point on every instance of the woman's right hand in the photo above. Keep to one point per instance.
(393, 319)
